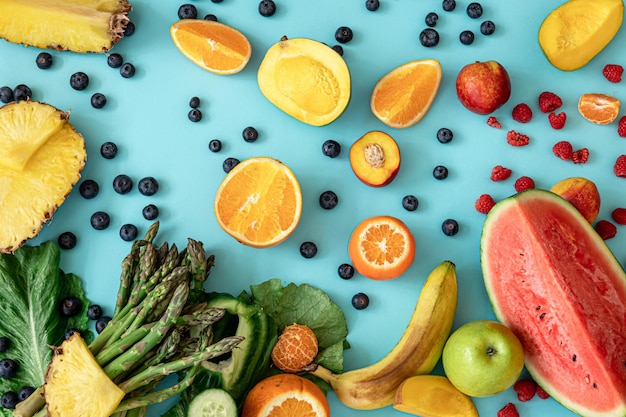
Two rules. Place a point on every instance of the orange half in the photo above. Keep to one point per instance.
(402, 97)
(259, 202)
(214, 46)
(601, 109)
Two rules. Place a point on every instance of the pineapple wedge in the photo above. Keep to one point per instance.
(76, 386)
(75, 25)
(41, 158)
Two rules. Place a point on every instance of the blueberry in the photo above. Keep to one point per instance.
(487, 27)
(79, 80)
(129, 30)
(410, 202)
(115, 60)
(187, 11)
(431, 19)
(338, 49)
(372, 5)
(88, 189)
(98, 100)
(43, 60)
(22, 92)
(25, 392)
(360, 301)
(108, 150)
(9, 400)
(5, 343)
(444, 135)
(69, 332)
(150, 212)
(429, 37)
(331, 148)
(250, 134)
(8, 368)
(215, 145)
(210, 17)
(450, 227)
(67, 240)
(122, 184)
(229, 163)
(328, 200)
(466, 37)
(345, 271)
(195, 115)
(128, 232)
(343, 34)
(100, 220)
(148, 186)
(71, 306)
(127, 70)
(308, 249)
(216, 1)
(448, 5)
(6, 94)
(101, 323)
(267, 8)
(94, 312)
(440, 172)
(474, 10)
(194, 102)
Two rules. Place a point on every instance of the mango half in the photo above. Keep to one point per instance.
(306, 79)
(575, 32)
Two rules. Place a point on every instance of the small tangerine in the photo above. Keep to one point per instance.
(295, 348)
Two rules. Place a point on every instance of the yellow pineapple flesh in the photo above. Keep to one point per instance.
(76, 386)
(41, 158)
(76, 25)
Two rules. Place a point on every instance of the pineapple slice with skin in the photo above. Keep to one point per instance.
(76, 386)
(41, 158)
(76, 25)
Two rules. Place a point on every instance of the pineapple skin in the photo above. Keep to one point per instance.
(79, 26)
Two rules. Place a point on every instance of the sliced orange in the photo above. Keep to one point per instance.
(214, 46)
(259, 202)
(601, 109)
(381, 247)
(285, 395)
(402, 97)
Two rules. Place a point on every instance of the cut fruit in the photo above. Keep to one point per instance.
(76, 385)
(211, 45)
(41, 156)
(601, 109)
(306, 79)
(259, 202)
(375, 158)
(433, 396)
(213, 402)
(78, 26)
(381, 248)
(402, 97)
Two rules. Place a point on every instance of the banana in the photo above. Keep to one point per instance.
(417, 351)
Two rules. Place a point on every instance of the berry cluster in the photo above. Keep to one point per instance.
(429, 37)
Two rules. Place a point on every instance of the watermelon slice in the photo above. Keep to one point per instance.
(553, 281)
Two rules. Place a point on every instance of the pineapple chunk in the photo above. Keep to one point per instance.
(76, 386)
(41, 158)
(76, 25)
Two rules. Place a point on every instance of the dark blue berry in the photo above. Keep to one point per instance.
(100, 220)
(410, 202)
(8, 368)
(343, 34)
(195, 115)
(43, 60)
(101, 323)
(487, 27)
(115, 60)
(345, 271)
(229, 163)
(466, 37)
(25, 392)
(331, 148)
(250, 134)
(22, 92)
(440, 172)
(128, 232)
(108, 150)
(194, 102)
(338, 49)
(150, 212)
(129, 30)
(94, 312)
(69, 332)
(210, 17)
(122, 184)
(267, 8)
(360, 301)
(79, 80)
(474, 10)
(372, 5)
(450, 227)
(5, 343)
(431, 19)
(444, 135)
(448, 5)
(9, 400)
(88, 189)
(328, 200)
(187, 11)
(6, 94)
(308, 249)
(215, 145)
(148, 186)
(429, 37)
(98, 100)
(216, 1)
(127, 70)
(67, 240)
(71, 306)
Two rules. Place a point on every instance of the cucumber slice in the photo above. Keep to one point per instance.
(213, 402)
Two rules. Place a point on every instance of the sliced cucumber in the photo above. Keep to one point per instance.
(213, 402)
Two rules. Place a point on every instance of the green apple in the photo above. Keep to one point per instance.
(483, 358)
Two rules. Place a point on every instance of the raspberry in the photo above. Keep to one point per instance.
(493, 122)
(580, 156)
(542, 394)
(621, 127)
(524, 183)
(514, 138)
(522, 113)
(613, 72)
(606, 229)
(484, 203)
(500, 173)
(549, 102)
(619, 215)
(557, 121)
(563, 150)
(620, 166)
(508, 410)
(526, 389)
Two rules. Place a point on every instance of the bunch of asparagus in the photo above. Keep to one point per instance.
(160, 326)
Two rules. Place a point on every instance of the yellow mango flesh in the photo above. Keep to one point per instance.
(575, 32)
(433, 396)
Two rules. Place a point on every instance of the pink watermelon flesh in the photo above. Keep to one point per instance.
(553, 281)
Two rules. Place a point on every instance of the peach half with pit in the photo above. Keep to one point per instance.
(375, 158)
(582, 193)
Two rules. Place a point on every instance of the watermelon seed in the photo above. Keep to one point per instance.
(542, 315)
(538, 308)
(574, 358)
(595, 385)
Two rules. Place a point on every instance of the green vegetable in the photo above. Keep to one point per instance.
(212, 402)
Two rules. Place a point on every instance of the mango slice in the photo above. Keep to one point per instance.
(433, 396)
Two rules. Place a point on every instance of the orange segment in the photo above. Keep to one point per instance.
(598, 108)
(214, 46)
(259, 202)
(403, 96)
(381, 247)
